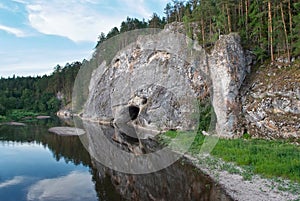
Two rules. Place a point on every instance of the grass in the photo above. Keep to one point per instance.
(277, 158)
(268, 158)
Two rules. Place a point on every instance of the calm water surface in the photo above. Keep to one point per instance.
(37, 165)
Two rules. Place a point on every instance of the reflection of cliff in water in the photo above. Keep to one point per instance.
(177, 182)
(180, 181)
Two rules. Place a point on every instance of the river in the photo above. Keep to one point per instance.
(38, 165)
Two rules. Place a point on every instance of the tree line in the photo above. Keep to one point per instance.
(132, 24)
(270, 28)
(41, 94)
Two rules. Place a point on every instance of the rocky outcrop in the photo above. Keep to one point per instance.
(271, 103)
(64, 113)
(156, 82)
(227, 66)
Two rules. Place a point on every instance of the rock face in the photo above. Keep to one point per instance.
(271, 103)
(156, 82)
(227, 68)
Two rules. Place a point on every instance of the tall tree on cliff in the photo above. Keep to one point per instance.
(270, 30)
(296, 30)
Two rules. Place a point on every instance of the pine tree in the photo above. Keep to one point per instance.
(296, 30)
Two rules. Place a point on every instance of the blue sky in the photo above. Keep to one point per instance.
(36, 35)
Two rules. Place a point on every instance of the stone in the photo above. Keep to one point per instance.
(162, 76)
(67, 131)
(228, 70)
(155, 82)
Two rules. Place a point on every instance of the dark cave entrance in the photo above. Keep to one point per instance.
(133, 112)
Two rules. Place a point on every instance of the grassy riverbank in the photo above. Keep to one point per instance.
(270, 158)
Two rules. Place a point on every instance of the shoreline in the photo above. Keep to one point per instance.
(238, 188)
(233, 183)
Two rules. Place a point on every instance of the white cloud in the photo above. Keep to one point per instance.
(11, 30)
(20, 1)
(75, 186)
(81, 20)
(76, 20)
(12, 182)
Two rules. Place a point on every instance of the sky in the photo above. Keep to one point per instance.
(36, 35)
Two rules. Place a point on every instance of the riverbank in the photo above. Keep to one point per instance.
(248, 169)
(240, 184)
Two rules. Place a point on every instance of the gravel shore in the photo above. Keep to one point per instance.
(235, 185)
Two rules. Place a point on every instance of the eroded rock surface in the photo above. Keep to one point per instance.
(163, 76)
(227, 66)
(271, 103)
(159, 75)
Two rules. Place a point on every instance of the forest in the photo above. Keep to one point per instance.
(26, 96)
(268, 28)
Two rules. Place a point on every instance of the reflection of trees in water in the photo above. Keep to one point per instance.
(177, 182)
(67, 147)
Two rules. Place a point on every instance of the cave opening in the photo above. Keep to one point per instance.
(133, 112)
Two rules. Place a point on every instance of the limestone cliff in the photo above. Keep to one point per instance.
(154, 82)
(157, 80)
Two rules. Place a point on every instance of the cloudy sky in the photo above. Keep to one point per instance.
(36, 35)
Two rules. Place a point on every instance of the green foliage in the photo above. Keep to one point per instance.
(249, 18)
(296, 30)
(18, 115)
(205, 115)
(246, 136)
(268, 158)
(3, 118)
(19, 95)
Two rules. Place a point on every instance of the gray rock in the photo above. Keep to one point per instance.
(228, 70)
(164, 75)
(158, 75)
(67, 131)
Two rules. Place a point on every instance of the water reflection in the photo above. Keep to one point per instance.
(180, 181)
(76, 186)
(37, 165)
(14, 181)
